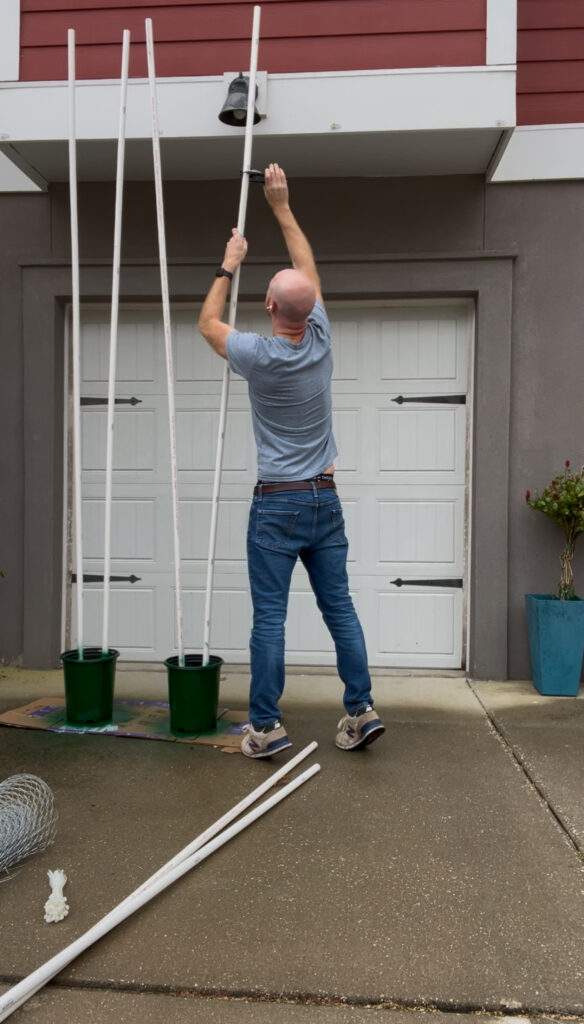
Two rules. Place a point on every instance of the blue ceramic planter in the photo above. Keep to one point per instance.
(556, 643)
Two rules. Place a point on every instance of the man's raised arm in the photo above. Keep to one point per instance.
(299, 248)
(211, 326)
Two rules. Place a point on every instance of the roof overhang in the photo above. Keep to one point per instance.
(420, 122)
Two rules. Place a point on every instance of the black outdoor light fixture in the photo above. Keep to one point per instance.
(234, 111)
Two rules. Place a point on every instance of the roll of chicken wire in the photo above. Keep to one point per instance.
(28, 818)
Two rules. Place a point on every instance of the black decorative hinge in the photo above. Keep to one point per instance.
(103, 401)
(427, 583)
(90, 578)
(434, 399)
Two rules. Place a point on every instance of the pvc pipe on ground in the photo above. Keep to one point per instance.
(75, 342)
(167, 337)
(18, 994)
(111, 398)
(255, 42)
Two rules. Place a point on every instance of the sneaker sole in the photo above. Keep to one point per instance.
(274, 748)
(372, 734)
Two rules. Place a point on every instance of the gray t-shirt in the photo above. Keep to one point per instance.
(290, 394)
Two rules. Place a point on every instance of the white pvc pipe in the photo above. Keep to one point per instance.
(76, 359)
(18, 994)
(111, 397)
(255, 42)
(167, 337)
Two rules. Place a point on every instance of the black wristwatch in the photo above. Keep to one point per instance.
(222, 272)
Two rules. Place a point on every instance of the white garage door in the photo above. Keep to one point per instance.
(400, 386)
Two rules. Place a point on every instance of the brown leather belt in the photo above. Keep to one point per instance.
(294, 485)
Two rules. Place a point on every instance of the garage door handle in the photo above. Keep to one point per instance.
(427, 583)
(103, 401)
(90, 578)
(434, 399)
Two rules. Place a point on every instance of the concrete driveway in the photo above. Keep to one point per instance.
(438, 870)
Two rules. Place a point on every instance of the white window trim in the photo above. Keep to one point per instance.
(501, 31)
(10, 41)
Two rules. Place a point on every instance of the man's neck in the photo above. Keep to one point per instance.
(291, 334)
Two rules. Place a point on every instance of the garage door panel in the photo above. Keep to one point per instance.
(346, 349)
(230, 625)
(306, 632)
(419, 628)
(139, 357)
(136, 356)
(196, 433)
(135, 440)
(422, 441)
(422, 536)
(195, 360)
(133, 529)
(349, 437)
(415, 350)
(133, 619)
(195, 524)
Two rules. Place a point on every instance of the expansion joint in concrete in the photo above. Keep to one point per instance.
(499, 731)
(512, 1014)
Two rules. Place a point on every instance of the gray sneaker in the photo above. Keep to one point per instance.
(359, 730)
(264, 744)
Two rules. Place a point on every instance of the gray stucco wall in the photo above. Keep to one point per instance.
(516, 249)
(546, 224)
(24, 231)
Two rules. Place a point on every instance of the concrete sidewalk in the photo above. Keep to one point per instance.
(439, 870)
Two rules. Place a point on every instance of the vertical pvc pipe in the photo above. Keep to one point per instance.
(76, 359)
(19, 993)
(167, 336)
(111, 397)
(255, 42)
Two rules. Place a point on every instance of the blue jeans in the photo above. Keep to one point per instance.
(285, 526)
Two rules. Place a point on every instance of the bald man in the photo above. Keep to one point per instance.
(295, 512)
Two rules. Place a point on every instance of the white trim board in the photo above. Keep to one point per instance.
(369, 101)
(12, 179)
(501, 31)
(549, 152)
(10, 41)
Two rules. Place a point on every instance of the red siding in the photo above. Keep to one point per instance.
(207, 38)
(550, 62)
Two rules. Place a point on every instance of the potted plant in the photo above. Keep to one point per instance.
(556, 621)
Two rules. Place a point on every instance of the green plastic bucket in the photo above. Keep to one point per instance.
(193, 694)
(89, 686)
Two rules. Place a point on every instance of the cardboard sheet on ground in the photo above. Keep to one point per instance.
(141, 719)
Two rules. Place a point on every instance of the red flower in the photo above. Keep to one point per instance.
(527, 495)
(567, 463)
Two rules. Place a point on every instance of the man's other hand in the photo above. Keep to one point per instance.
(235, 251)
(276, 186)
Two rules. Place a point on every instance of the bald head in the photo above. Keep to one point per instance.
(292, 296)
